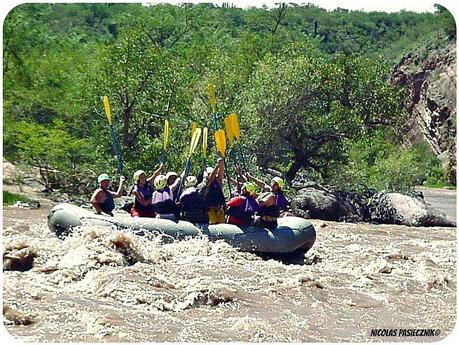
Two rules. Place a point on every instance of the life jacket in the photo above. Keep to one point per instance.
(146, 191)
(274, 210)
(246, 210)
(214, 195)
(163, 202)
(108, 205)
(194, 206)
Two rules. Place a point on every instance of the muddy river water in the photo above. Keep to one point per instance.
(103, 285)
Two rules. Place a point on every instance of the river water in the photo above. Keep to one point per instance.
(102, 285)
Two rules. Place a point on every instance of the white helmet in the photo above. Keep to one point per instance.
(171, 173)
(137, 175)
(103, 177)
(160, 181)
(279, 181)
(191, 181)
(209, 170)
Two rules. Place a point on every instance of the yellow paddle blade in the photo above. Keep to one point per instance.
(193, 127)
(108, 113)
(229, 132)
(212, 98)
(234, 124)
(166, 134)
(220, 141)
(195, 140)
(204, 142)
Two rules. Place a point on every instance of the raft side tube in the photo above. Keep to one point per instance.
(292, 234)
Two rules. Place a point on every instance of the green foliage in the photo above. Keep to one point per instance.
(52, 150)
(11, 198)
(380, 165)
(306, 83)
(306, 106)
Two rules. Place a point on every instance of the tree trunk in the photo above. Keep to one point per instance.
(126, 121)
(292, 170)
(298, 163)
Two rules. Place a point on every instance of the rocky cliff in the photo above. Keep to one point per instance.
(430, 76)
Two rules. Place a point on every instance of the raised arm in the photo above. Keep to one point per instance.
(221, 169)
(201, 187)
(119, 192)
(176, 184)
(261, 184)
(213, 176)
(233, 181)
(241, 176)
(156, 172)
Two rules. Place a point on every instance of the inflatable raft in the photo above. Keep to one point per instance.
(293, 234)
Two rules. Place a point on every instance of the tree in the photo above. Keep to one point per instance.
(60, 158)
(306, 108)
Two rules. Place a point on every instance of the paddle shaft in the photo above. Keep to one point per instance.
(241, 155)
(227, 175)
(116, 149)
(187, 171)
(193, 144)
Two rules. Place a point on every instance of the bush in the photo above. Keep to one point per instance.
(11, 198)
(379, 165)
(53, 151)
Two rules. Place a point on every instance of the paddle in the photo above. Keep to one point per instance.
(163, 158)
(232, 131)
(220, 139)
(193, 127)
(193, 144)
(229, 132)
(233, 122)
(116, 147)
(220, 142)
(204, 142)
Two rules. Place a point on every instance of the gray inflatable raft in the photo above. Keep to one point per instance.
(293, 234)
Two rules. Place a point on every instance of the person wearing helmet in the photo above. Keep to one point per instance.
(242, 208)
(272, 202)
(173, 181)
(213, 194)
(143, 191)
(102, 198)
(163, 199)
(192, 202)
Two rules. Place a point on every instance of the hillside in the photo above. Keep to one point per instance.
(430, 75)
(310, 88)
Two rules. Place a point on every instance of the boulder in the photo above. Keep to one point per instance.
(124, 203)
(396, 208)
(320, 203)
(9, 173)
